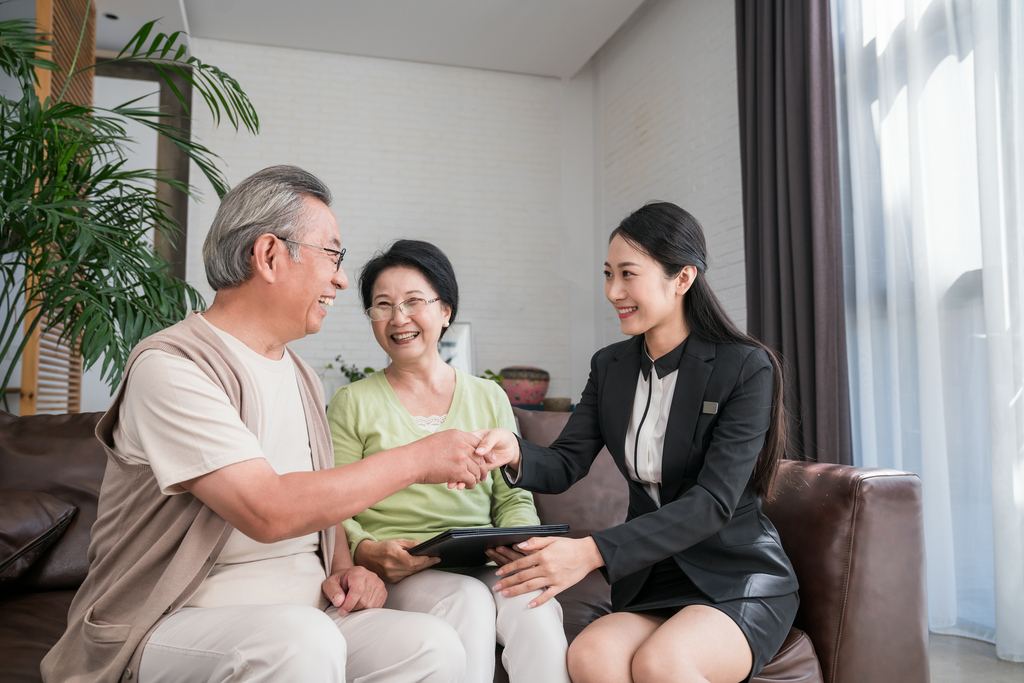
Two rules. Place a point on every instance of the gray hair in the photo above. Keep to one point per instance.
(268, 201)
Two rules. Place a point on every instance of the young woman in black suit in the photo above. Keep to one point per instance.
(691, 411)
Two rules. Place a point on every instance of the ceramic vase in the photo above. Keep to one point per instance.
(525, 386)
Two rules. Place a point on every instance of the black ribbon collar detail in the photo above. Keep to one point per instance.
(664, 365)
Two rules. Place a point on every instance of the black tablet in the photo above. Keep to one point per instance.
(465, 547)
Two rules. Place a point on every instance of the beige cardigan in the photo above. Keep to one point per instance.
(150, 551)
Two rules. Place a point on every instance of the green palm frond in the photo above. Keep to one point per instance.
(75, 224)
(220, 92)
(20, 42)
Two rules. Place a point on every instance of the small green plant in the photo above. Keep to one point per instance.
(353, 372)
(491, 376)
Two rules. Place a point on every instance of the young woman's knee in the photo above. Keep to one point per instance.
(591, 660)
(653, 663)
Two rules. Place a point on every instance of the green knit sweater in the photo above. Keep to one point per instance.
(366, 417)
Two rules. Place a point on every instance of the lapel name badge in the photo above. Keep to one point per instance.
(710, 408)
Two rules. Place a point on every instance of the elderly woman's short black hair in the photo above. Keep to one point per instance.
(430, 261)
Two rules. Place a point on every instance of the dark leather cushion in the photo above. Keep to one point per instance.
(795, 662)
(29, 626)
(30, 522)
(598, 501)
(59, 455)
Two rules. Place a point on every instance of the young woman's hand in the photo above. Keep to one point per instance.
(354, 588)
(550, 563)
(498, 447)
(390, 560)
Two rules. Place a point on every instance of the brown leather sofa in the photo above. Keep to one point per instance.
(854, 535)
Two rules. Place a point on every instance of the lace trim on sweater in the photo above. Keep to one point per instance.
(431, 424)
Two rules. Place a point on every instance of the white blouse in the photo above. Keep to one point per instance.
(652, 403)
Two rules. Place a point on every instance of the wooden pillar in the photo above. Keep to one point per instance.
(44, 22)
(51, 371)
(30, 356)
(29, 373)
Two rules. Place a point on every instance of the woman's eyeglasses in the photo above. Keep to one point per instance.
(412, 306)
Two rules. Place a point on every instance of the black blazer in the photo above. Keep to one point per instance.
(710, 520)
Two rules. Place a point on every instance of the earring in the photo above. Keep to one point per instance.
(445, 324)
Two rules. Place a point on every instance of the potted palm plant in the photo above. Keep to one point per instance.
(74, 221)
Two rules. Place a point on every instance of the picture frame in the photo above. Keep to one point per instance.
(456, 347)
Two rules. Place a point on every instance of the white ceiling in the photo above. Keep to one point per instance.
(540, 37)
(114, 34)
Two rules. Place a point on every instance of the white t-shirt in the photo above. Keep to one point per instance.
(176, 420)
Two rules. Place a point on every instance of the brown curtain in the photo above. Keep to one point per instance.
(791, 213)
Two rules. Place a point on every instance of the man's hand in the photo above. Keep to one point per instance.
(354, 588)
(390, 560)
(551, 563)
(448, 457)
(498, 447)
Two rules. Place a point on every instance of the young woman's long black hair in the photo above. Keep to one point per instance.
(674, 238)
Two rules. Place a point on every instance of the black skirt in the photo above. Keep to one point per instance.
(764, 621)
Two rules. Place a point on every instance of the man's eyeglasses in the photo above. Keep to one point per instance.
(412, 306)
(339, 256)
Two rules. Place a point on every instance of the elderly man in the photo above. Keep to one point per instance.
(213, 557)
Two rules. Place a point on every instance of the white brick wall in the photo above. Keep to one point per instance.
(670, 131)
(465, 158)
(495, 168)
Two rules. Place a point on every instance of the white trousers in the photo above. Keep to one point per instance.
(534, 641)
(300, 643)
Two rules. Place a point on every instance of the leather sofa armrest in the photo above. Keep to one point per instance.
(856, 539)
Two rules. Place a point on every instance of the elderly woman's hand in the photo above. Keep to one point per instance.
(503, 554)
(390, 560)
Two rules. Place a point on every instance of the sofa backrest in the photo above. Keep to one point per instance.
(59, 455)
(596, 502)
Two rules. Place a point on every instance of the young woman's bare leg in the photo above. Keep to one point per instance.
(603, 652)
(698, 644)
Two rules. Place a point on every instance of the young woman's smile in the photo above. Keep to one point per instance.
(645, 299)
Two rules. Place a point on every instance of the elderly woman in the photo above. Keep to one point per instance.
(411, 296)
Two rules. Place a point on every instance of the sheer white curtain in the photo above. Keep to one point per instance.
(931, 101)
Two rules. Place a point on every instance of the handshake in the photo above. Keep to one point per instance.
(462, 459)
